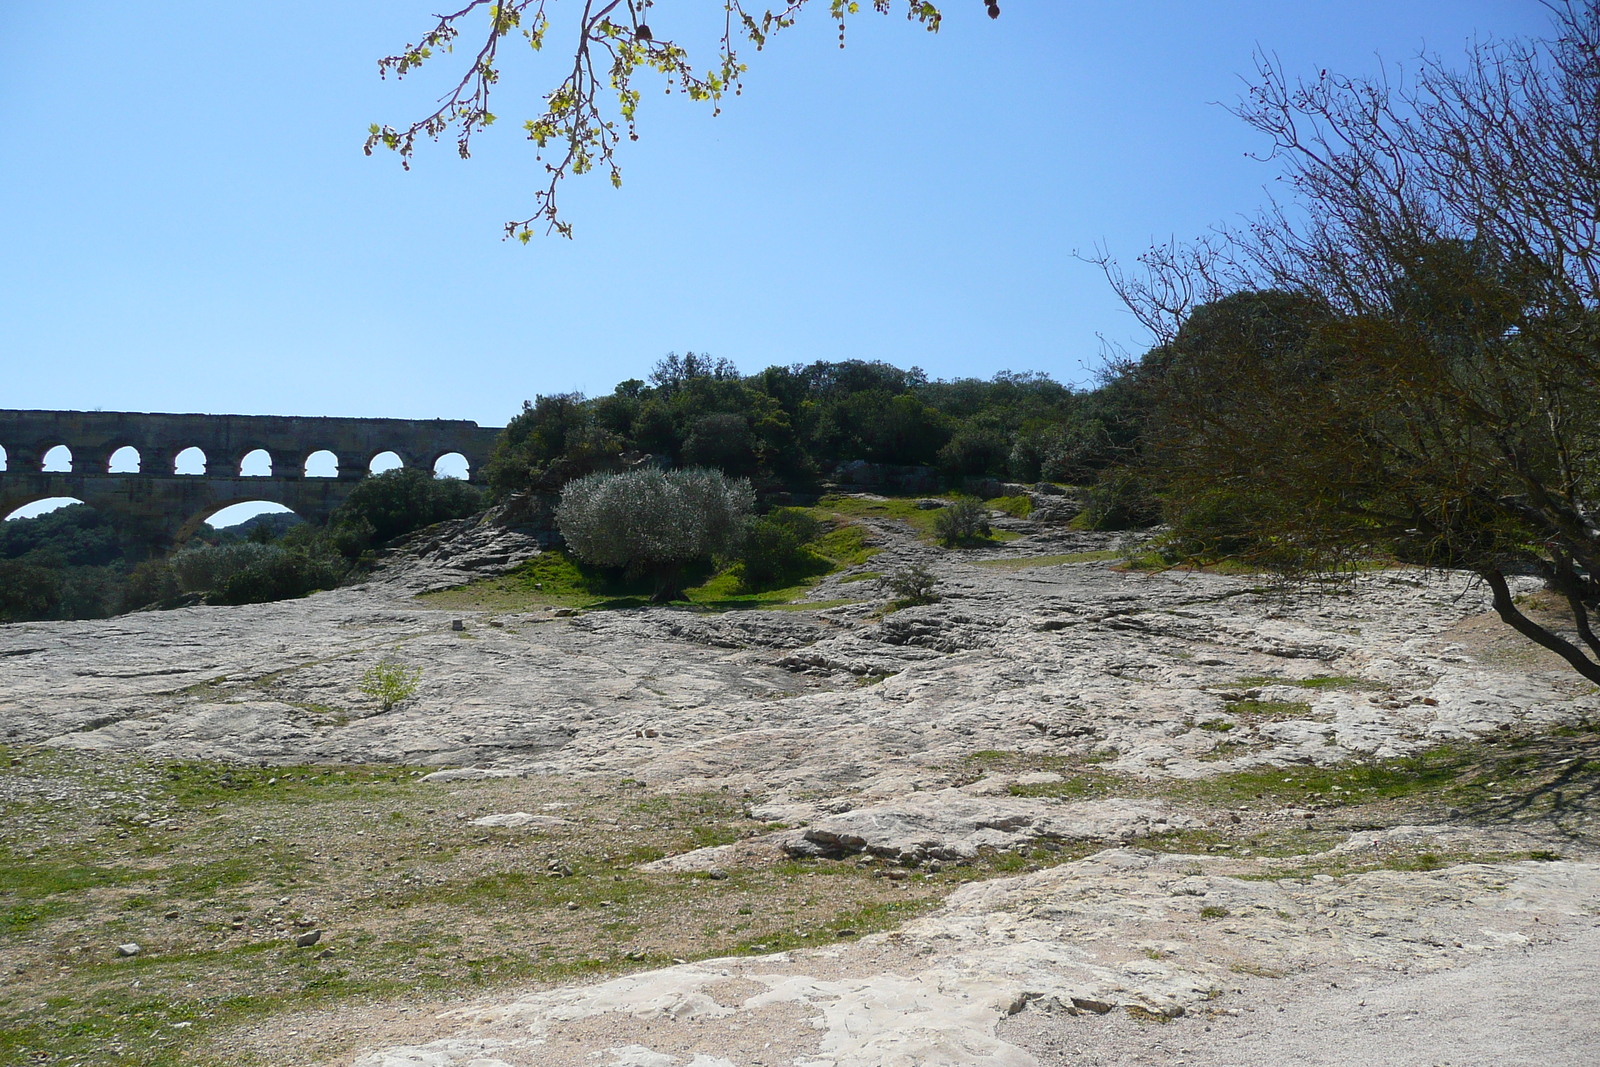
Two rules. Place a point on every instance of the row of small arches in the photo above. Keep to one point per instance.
(255, 464)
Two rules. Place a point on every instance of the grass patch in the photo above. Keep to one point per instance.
(214, 868)
(900, 509)
(1018, 507)
(845, 546)
(1142, 562)
(1268, 709)
(1253, 968)
(1076, 787)
(1340, 681)
(1555, 779)
(1402, 857)
(1300, 786)
(417, 902)
(726, 592)
(1079, 779)
(996, 761)
(555, 579)
(550, 579)
(1223, 750)
(808, 605)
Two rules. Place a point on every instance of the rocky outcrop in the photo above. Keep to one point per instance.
(452, 553)
(867, 734)
(1164, 937)
(950, 824)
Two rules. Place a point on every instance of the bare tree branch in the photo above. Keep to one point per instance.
(613, 41)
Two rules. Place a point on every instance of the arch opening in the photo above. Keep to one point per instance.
(322, 464)
(190, 461)
(256, 463)
(5, 460)
(125, 460)
(226, 517)
(452, 465)
(385, 461)
(250, 513)
(44, 506)
(58, 460)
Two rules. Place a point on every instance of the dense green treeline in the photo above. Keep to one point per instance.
(67, 564)
(788, 428)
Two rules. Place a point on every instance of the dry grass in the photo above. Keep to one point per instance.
(215, 869)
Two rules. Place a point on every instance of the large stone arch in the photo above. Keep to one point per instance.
(192, 524)
(11, 501)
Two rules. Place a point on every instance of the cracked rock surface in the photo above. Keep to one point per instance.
(1120, 930)
(1072, 659)
(850, 727)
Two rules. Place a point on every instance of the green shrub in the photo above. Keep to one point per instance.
(151, 582)
(65, 564)
(74, 536)
(251, 573)
(1222, 525)
(552, 440)
(209, 567)
(976, 450)
(650, 521)
(1076, 453)
(389, 681)
(722, 441)
(1218, 525)
(964, 520)
(1121, 500)
(399, 501)
(910, 585)
(775, 552)
(26, 591)
(88, 592)
(282, 575)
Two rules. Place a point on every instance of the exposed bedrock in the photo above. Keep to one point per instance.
(1166, 936)
(930, 734)
(1145, 673)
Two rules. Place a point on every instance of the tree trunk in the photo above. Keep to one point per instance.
(1507, 609)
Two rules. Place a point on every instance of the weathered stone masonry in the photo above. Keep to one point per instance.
(159, 508)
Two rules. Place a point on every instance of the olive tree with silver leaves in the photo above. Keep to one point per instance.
(651, 521)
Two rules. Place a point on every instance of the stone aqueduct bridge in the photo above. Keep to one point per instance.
(159, 508)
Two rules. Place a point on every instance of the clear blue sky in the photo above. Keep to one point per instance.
(187, 222)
